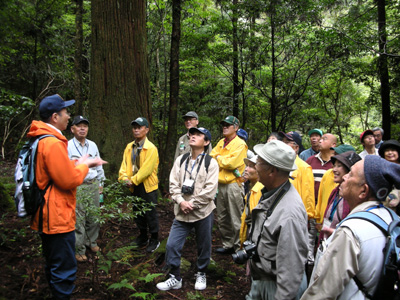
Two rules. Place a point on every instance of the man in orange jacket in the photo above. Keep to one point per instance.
(63, 175)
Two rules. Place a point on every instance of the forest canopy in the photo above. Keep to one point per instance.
(276, 65)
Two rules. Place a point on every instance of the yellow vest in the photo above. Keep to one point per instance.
(148, 167)
(325, 189)
(303, 181)
(255, 195)
(230, 158)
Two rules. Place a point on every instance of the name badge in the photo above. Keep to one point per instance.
(327, 223)
(188, 182)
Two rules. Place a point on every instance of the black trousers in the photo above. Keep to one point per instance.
(150, 218)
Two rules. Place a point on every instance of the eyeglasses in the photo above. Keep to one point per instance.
(226, 125)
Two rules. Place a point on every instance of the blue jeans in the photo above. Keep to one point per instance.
(177, 237)
(61, 267)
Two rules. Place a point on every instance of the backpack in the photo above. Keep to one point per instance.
(207, 160)
(28, 197)
(389, 281)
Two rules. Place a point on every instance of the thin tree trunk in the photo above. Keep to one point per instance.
(235, 54)
(383, 69)
(168, 153)
(78, 57)
(273, 111)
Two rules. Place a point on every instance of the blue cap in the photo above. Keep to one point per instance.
(201, 130)
(52, 104)
(243, 134)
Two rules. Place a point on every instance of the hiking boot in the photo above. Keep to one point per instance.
(80, 257)
(140, 241)
(153, 245)
(201, 281)
(95, 249)
(170, 283)
(225, 251)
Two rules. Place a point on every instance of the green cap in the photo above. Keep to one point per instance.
(231, 120)
(141, 122)
(315, 130)
(343, 148)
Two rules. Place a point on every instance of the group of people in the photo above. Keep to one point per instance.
(274, 207)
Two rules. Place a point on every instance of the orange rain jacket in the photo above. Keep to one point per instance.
(53, 163)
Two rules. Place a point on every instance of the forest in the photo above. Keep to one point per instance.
(276, 65)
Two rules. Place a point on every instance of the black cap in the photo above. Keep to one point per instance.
(348, 159)
(79, 119)
(141, 122)
(389, 144)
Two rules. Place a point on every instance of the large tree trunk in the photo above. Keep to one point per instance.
(383, 69)
(168, 153)
(119, 86)
(78, 57)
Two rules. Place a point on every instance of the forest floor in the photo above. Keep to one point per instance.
(118, 271)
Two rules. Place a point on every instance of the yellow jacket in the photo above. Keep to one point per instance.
(325, 189)
(230, 158)
(303, 181)
(255, 195)
(147, 172)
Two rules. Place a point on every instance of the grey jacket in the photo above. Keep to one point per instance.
(283, 245)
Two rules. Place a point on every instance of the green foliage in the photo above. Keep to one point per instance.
(118, 204)
(229, 276)
(120, 255)
(124, 283)
(197, 296)
(14, 111)
(6, 191)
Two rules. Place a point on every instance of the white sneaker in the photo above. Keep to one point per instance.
(201, 281)
(170, 283)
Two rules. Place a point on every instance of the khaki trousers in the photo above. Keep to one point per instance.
(229, 209)
(86, 227)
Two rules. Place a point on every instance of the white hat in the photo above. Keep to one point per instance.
(277, 154)
(252, 159)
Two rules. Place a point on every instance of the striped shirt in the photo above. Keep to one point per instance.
(319, 167)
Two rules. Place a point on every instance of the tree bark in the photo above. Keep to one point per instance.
(235, 62)
(120, 83)
(78, 57)
(169, 150)
(383, 69)
(273, 111)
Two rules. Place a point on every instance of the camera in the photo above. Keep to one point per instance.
(188, 190)
(188, 187)
(249, 251)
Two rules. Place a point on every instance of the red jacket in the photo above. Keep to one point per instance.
(53, 163)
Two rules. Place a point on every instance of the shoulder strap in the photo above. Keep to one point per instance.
(207, 161)
(370, 217)
(373, 218)
(41, 192)
(379, 223)
(184, 157)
